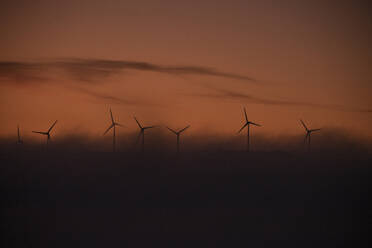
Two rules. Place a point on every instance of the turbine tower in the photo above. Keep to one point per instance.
(308, 133)
(142, 132)
(247, 124)
(113, 125)
(178, 135)
(19, 141)
(47, 133)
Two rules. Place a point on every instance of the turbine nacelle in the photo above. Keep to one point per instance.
(308, 133)
(113, 123)
(247, 122)
(142, 132)
(141, 127)
(179, 132)
(47, 133)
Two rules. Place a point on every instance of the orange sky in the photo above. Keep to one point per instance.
(309, 60)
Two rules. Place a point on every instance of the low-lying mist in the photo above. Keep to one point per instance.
(77, 189)
(160, 140)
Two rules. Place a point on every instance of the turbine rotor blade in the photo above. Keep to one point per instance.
(246, 124)
(255, 124)
(108, 129)
(112, 118)
(304, 125)
(118, 124)
(245, 114)
(313, 130)
(171, 130)
(138, 122)
(50, 129)
(40, 132)
(149, 127)
(183, 129)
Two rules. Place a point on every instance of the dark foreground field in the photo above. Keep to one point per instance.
(206, 199)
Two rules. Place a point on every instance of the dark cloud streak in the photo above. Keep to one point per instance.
(90, 70)
(21, 72)
(110, 99)
(225, 94)
(106, 97)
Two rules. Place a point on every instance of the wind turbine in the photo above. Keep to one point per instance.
(247, 124)
(47, 133)
(19, 141)
(178, 135)
(113, 125)
(308, 133)
(142, 132)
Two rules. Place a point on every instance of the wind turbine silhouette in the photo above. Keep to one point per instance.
(142, 132)
(247, 124)
(178, 135)
(308, 133)
(19, 141)
(113, 125)
(47, 133)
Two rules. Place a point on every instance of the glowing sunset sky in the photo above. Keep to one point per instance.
(185, 62)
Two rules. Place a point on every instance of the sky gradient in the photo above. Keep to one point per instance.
(179, 62)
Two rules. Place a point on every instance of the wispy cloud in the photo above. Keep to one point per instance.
(105, 97)
(89, 70)
(21, 72)
(229, 94)
(112, 99)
